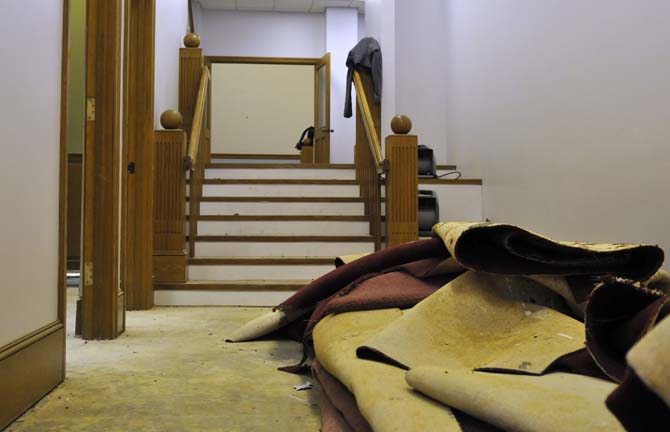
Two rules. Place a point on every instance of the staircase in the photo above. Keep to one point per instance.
(268, 226)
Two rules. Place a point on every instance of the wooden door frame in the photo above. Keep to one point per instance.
(138, 150)
(319, 156)
(294, 61)
(103, 301)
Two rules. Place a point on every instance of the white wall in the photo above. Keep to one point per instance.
(30, 91)
(262, 34)
(562, 107)
(171, 25)
(421, 70)
(260, 108)
(341, 36)
(380, 23)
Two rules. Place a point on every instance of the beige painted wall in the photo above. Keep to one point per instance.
(77, 77)
(259, 109)
(563, 108)
(30, 124)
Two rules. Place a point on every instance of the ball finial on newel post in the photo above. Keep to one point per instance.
(171, 119)
(191, 40)
(401, 125)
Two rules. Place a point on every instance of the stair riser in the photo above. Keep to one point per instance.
(282, 208)
(281, 190)
(283, 228)
(263, 173)
(219, 298)
(280, 249)
(246, 272)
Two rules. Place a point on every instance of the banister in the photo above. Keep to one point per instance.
(198, 117)
(368, 123)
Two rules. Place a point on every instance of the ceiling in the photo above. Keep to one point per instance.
(309, 6)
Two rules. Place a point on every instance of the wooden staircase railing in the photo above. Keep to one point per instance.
(400, 167)
(367, 154)
(197, 157)
(182, 151)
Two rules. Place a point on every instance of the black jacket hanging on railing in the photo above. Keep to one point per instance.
(367, 53)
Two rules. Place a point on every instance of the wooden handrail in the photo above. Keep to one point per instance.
(368, 122)
(198, 118)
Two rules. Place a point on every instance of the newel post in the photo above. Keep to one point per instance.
(169, 256)
(402, 183)
(190, 70)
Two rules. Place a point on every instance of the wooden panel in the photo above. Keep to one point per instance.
(452, 182)
(261, 261)
(170, 192)
(402, 203)
(306, 155)
(169, 256)
(139, 149)
(284, 218)
(29, 369)
(170, 268)
(190, 69)
(75, 168)
(281, 181)
(322, 132)
(282, 199)
(101, 171)
(288, 166)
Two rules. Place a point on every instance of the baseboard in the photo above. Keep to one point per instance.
(30, 368)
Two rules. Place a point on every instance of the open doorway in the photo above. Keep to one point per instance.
(260, 106)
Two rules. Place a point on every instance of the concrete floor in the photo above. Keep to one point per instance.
(172, 371)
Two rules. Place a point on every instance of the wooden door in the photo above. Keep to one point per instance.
(103, 301)
(322, 110)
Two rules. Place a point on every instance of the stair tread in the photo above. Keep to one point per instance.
(283, 218)
(280, 199)
(261, 261)
(255, 156)
(243, 165)
(281, 181)
(289, 238)
(241, 285)
(451, 181)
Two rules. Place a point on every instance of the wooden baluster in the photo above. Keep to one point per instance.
(366, 170)
(190, 69)
(402, 184)
(169, 256)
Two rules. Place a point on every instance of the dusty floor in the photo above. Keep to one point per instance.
(172, 371)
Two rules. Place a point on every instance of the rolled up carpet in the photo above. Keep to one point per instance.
(382, 395)
(642, 401)
(507, 249)
(556, 402)
(341, 398)
(481, 321)
(618, 315)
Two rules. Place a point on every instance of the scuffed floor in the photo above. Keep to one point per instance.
(172, 371)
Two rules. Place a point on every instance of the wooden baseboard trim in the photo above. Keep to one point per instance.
(281, 218)
(30, 368)
(477, 182)
(289, 239)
